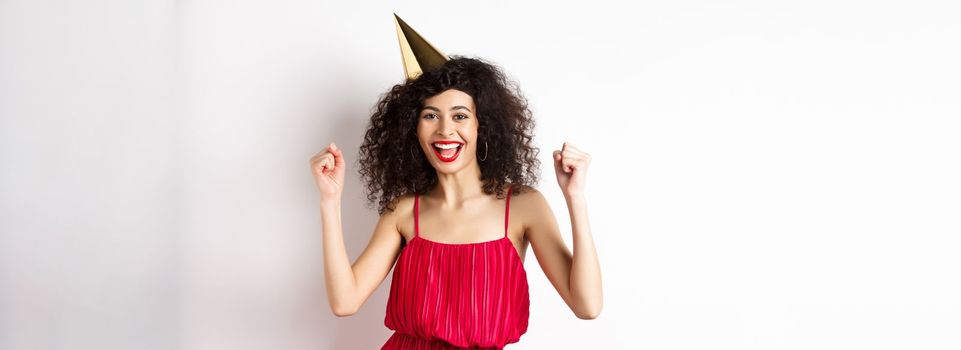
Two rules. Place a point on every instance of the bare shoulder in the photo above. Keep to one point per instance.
(526, 195)
(400, 204)
(402, 216)
(528, 205)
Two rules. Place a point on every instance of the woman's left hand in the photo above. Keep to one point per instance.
(570, 165)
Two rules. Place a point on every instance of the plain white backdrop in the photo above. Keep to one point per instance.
(766, 175)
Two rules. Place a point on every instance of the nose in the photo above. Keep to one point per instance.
(446, 128)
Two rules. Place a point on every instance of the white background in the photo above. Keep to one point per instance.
(766, 175)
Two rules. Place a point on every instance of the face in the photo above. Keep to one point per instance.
(447, 130)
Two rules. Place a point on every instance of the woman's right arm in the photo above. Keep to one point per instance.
(349, 286)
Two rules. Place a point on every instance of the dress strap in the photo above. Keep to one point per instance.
(416, 210)
(507, 211)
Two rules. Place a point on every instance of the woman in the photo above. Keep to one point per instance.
(446, 156)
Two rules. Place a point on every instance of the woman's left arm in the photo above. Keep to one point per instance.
(577, 276)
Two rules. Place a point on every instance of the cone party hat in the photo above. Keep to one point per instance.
(417, 53)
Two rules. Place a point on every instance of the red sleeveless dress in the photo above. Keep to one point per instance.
(456, 296)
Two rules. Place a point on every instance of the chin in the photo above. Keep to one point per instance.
(452, 167)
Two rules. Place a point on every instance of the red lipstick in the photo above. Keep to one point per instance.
(452, 157)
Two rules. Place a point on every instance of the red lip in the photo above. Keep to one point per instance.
(451, 159)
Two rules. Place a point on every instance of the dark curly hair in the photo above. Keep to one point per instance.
(391, 169)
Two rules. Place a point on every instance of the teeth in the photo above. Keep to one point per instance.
(446, 146)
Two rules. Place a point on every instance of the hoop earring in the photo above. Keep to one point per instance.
(485, 152)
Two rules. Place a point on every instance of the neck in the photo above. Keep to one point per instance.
(453, 190)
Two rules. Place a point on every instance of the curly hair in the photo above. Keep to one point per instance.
(390, 167)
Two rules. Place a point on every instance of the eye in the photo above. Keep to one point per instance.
(429, 115)
(461, 115)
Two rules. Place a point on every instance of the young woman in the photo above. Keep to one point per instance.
(449, 160)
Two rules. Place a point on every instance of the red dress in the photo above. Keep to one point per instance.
(454, 296)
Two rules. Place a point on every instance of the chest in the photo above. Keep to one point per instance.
(466, 226)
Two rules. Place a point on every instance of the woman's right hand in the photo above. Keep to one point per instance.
(328, 167)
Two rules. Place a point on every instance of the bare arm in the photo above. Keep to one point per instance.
(349, 286)
(585, 276)
(577, 276)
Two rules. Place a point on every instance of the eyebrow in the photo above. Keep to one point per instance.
(452, 108)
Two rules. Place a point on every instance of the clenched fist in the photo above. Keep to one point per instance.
(328, 167)
(570, 166)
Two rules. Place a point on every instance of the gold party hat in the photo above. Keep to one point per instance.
(418, 54)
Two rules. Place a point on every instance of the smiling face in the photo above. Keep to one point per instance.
(447, 130)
